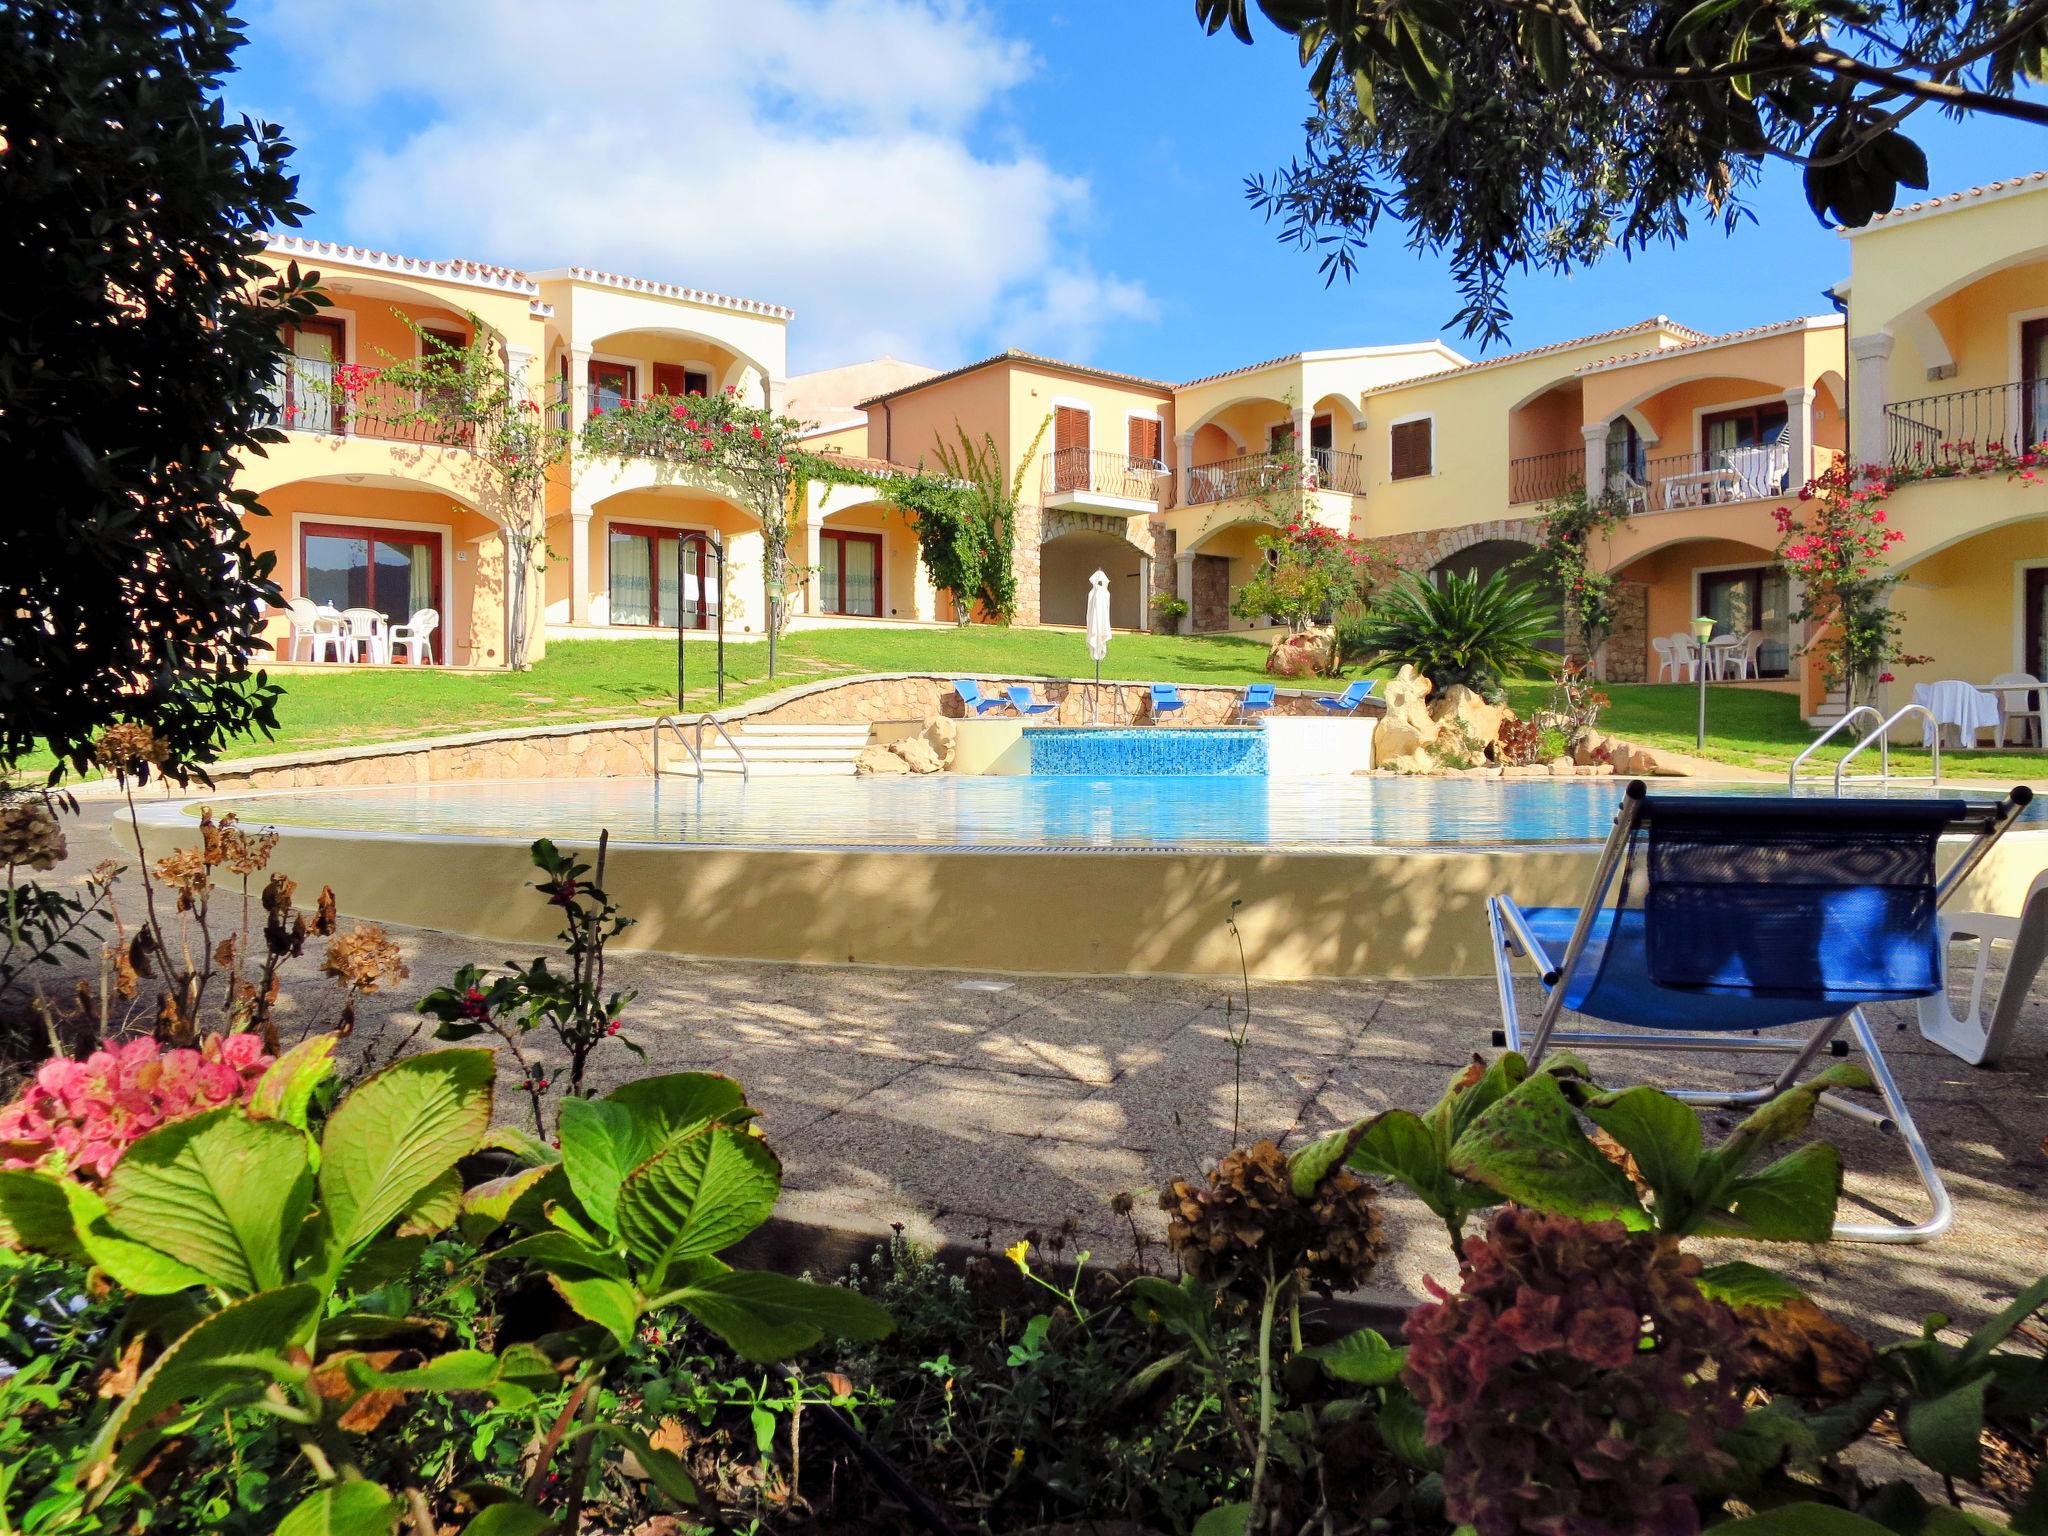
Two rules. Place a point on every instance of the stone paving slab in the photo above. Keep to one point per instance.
(977, 1113)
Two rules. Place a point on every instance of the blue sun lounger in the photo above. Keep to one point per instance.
(1258, 698)
(1715, 919)
(1347, 702)
(973, 698)
(1165, 700)
(1022, 702)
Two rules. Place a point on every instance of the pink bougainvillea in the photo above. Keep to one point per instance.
(78, 1117)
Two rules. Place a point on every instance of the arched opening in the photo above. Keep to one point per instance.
(1546, 450)
(1978, 603)
(395, 547)
(1739, 585)
(1229, 447)
(646, 576)
(1703, 440)
(1491, 557)
(867, 565)
(1065, 564)
(1222, 560)
(636, 364)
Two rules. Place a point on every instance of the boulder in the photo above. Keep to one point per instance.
(917, 754)
(1465, 709)
(1405, 732)
(943, 736)
(1308, 654)
(878, 760)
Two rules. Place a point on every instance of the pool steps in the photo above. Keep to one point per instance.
(790, 751)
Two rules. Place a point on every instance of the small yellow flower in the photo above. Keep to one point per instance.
(1016, 1253)
(1016, 1455)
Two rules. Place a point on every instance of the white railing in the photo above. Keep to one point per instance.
(695, 748)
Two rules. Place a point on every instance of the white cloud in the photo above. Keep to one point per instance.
(828, 154)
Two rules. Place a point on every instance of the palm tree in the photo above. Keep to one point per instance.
(1457, 629)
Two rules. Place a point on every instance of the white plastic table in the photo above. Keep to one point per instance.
(1968, 709)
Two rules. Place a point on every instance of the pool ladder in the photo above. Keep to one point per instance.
(695, 747)
(1880, 734)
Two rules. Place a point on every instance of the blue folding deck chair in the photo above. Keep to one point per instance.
(973, 698)
(1258, 699)
(1166, 699)
(1347, 702)
(1022, 702)
(1732, 914)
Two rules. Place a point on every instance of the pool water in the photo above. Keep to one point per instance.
(1037, 812)
(1116, 753)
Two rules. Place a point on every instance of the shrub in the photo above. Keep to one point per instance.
(1520, 742)
(1457, 629)
(1567, 1380)
(1551, 744)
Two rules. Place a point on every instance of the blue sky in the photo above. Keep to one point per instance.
(929, 178)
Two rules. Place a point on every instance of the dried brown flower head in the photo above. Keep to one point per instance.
(185, 871)
(1248, 1213)
(30, 837)
(363, 959)
(323, 912)
(1800, 1351)
(245, 853)
(130, 747)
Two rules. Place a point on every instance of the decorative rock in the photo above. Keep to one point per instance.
(1406, 730)
(917, 754)
(878, 760)
(1307, 654)
(1562, 768)
(1464, 708)
(943, 735)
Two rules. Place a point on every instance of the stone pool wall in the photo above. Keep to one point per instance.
(624, 748)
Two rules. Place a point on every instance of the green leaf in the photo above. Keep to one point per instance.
(1364, 1358)
(397, 1133)
(1783, 1117)
(285, 1091)
(342, 1509)
(1314, 1163)
(1804, 1519)
(602, 1143)
(1747, 1285)
(1661, 1133)
(487, 1206)
(681, 1102)
(1530, 1148)
(35, 1216)
(1225, 1520)
(237, 1346)
(1400, 1427)
(381, 1263)
(611, 1304)
(513, 1377)
(766, 1316)
(1947, 1431)
(524, 1145)
(508, 1519)
(1792, 1201)
(1182, 1309)
(1977, 1348)
(558, 1253)
(698, 1195)
(436, 1208)
(131, 1265)
(664, 1469)
(220, 1193)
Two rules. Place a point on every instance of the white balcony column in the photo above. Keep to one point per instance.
(519, 374)
(1867, 390)
(924, 593)
(579, 388)
(1799, 437)
(1596, 460)
(1184, 589)
(1145, 593)
(1185, 446)
(579, 565)
(814, 557)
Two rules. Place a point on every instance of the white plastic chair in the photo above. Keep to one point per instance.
(1745, 658)
(1667, 662)
(322, 629)
(2014, 705)
(415, 637)
(1967, 1035)
(304, 616)
(1686, 655)
(365, 634)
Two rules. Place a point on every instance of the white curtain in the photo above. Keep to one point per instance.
(863, 578)
(632, 588)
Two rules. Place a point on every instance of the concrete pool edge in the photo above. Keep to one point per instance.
(1409, 914)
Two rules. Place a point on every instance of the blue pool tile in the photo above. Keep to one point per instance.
(1174, 751)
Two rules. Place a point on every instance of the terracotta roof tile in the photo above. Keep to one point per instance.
(1726, 338)
(1013, 355)
(671, 291)
(1952, 200)
(1654, 322)
(509, 279)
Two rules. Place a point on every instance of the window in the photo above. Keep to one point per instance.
(850, 572)
(611, 385)
(1322, 434)
(1146, 441)
(449, 347)
(2037, 621)
(675, 379)
(1069, 448)
(1749, 426)
(657, 574)
(304, 396)
(1414, 448)
(1753, 598)
(396, 571)
(2034, 381)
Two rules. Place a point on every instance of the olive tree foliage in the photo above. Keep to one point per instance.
(138, 331)
(1517, 135)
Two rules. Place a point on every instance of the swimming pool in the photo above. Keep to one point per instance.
(1037, 812)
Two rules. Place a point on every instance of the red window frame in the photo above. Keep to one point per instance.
(386, 533)
(2033, 374)
(335, 414)
(656, 532)
(842, 537)
(599, 371)
(2034, 590)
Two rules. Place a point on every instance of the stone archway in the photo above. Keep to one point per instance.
(1072, 546)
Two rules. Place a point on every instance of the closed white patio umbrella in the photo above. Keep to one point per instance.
(1098, 632)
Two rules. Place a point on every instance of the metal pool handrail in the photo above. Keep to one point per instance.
(696, 749)
(1792, 773)
(1884, 746)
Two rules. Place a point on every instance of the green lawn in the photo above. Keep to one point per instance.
(598, 679)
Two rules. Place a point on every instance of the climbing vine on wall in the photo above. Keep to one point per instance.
(1564, 552)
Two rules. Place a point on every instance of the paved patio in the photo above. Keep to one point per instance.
(976, 1108)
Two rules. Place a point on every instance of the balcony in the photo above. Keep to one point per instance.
(1254, 474)
(1102, 480)
(1970, 431)
(345, 400)
(1711, 478)
(1546, 476)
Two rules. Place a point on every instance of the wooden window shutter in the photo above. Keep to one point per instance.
(1411, 443)
(1069, 429)
(1145, 440)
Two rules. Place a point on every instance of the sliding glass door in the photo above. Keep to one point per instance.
(396, 571)
(660, 573)
(850, 574)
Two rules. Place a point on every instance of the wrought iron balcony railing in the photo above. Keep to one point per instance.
(1546, 476)
(345, 399)
(1105, 472)
(1963, 429)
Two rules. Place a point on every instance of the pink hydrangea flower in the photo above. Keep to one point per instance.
(78, 1117)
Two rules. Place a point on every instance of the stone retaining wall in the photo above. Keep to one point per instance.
(920, 697)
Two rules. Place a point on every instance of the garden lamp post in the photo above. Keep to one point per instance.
(1702, 632)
